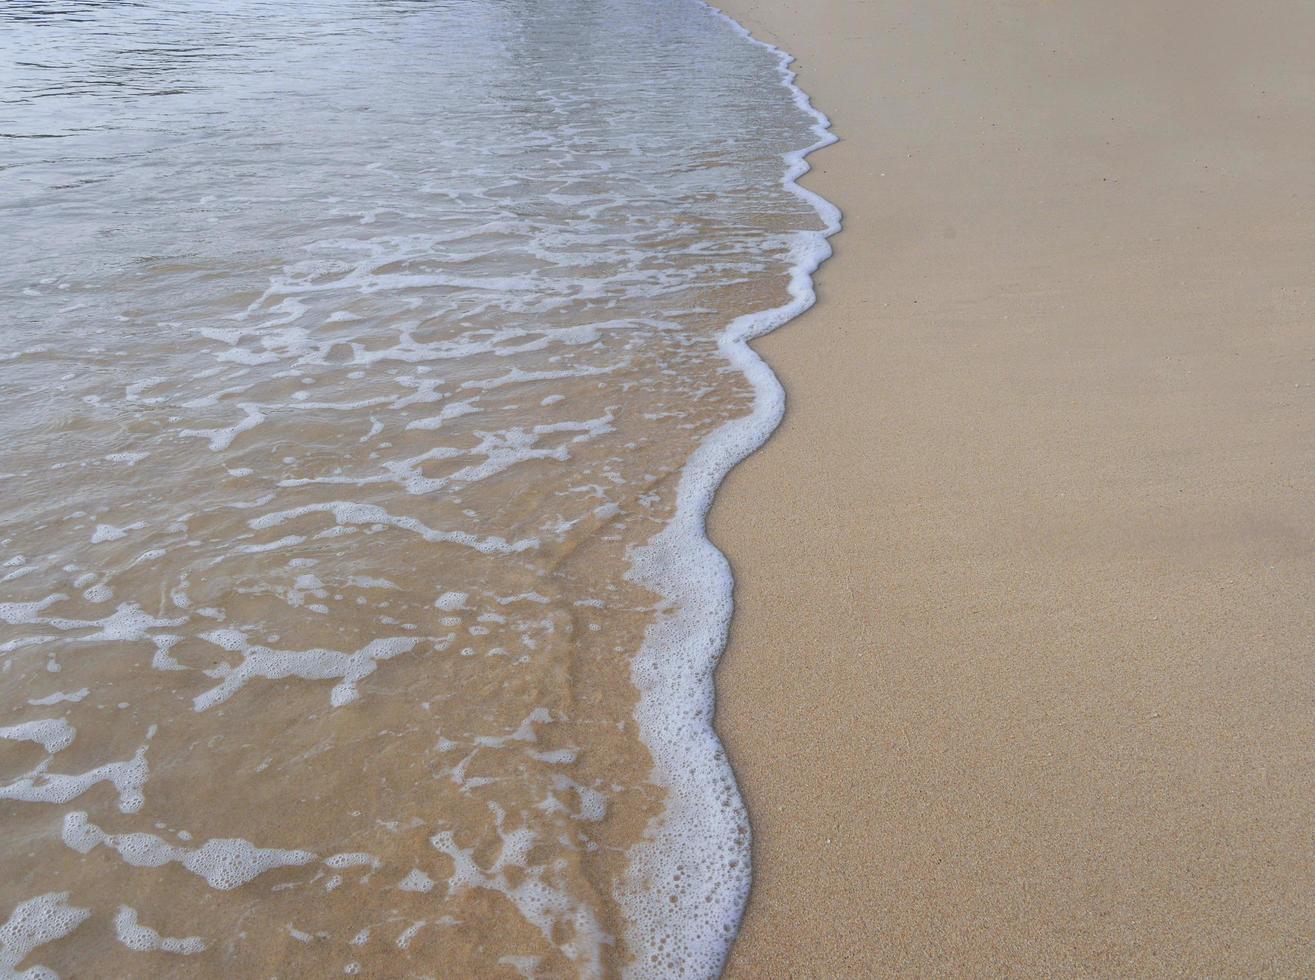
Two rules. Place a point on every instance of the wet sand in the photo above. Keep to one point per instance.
(1022, 675)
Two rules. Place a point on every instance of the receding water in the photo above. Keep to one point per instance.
(348, 353)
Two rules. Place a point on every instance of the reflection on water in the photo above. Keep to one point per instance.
(347, 350)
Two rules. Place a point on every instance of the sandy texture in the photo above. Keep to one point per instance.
(1021, 678)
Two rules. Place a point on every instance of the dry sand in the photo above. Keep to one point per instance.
(1022, 676)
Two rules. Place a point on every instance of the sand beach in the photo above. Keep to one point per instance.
(367, 372)
(1020, 677)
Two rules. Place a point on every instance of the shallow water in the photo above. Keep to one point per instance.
(348, 353)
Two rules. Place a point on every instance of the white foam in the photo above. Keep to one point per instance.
(127, 778)
(554, 912)
(349, 512)
(451, 601)
(27, 613)
(108, 532)
(404, 938)
(368, 582)
(518, 376)
(416, 881)
(52, 734)
(449, 412)
(18, 573)
(351, 859)
(221, 438)
(501, 451)
(287, 541)
(688, 880)
(133, 392)
(144, 939)
(60, 696)
(224, 862)
(98, 594)
(164, 642)
(33, 924)
(525, 966)
(128, 623)
(315, 664)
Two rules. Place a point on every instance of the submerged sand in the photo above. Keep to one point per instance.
(1021, 675)
(339, 392)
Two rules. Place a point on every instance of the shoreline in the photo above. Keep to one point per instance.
(1019, 676)
(701, 889)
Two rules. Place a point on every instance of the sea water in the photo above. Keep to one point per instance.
(366, 371)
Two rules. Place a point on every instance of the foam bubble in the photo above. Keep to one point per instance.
(451, 601)
(348, 512)
(224, 862)
(27, 613)
(449, 412)
(60, 696)
(416, 881)
(404, 938)
(351, 859)
(316, 664)
(221, 438)
(52, 734)
(109, 532)
(33, 924)
(127, 778)
(566, 922)
(144, 939)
